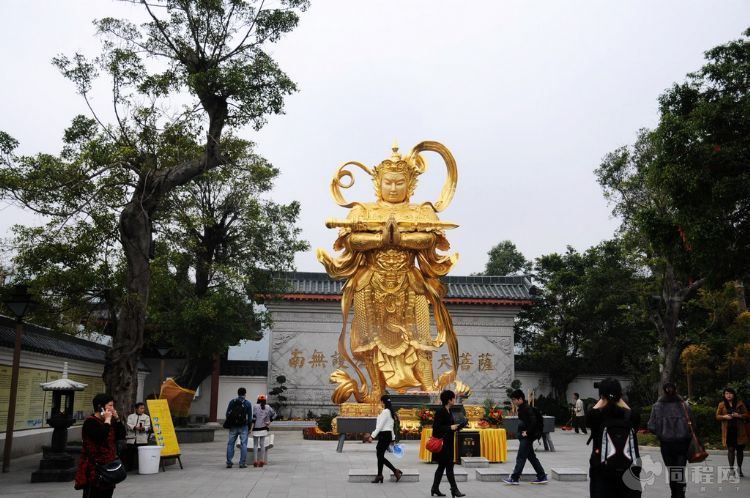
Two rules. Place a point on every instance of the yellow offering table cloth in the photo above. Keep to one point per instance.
(493, 444)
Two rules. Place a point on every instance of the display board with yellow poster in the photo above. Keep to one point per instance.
(161, 424)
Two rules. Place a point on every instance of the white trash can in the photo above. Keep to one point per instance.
(148, 459)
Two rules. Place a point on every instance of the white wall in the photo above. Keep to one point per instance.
(310, 328)
(228, 386)
(31, 359)
(583, 384)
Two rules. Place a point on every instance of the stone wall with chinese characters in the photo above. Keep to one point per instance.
(304, 340)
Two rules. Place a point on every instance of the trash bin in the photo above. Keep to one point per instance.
(148, 459)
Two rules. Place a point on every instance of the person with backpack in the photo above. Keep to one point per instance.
(670, 423)
(530, 428)
(614, 466)
(263, 415)
(385, 434)
(238, 418)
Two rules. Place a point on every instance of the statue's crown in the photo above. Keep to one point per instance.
(396, 163)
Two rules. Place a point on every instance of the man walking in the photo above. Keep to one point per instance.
(579, 414)
(238, 418)
(529, 430)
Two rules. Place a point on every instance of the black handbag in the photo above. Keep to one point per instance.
(112, 472)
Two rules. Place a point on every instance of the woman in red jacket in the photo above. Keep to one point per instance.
(100, 434)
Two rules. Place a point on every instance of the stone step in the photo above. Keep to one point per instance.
(495, 474)
(367, 475)
(475, 462)
(568, 474)
(461, 474)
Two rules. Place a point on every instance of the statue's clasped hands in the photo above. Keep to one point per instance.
(391, 236)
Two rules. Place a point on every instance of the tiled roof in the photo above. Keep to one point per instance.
(245, 368)
(471, 288)
(47, 341)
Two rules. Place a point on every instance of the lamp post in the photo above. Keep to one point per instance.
(20, 303)
(163, 350)
(57, 465)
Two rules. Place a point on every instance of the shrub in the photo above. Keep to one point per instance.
(647, 439)
(705, 424)
(278, 393)
(645, 415)
(554, 408)
(325, 422)
(588, 403)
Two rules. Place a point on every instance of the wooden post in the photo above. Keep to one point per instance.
(214, 408)
(12, 398)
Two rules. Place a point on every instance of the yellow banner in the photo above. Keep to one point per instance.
(161, 423)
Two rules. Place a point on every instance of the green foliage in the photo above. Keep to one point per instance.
(704, 143)
(515, 384)
(222, 241)
(278, 393)
(112, 183)
(705, 424)
(645, 413)
(682, 193)
(648, 439)
(506, 259)
(493, 413)
(550, 406)
(589, 313)
(325, 422)
(589, 403)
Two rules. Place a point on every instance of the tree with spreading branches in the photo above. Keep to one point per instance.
(207, 54)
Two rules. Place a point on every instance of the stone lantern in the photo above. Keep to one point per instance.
(57, 464)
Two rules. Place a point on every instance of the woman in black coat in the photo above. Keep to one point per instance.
(444, 426)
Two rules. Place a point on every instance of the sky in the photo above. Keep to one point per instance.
(528, 95)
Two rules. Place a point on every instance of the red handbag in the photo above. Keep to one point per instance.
(696, 452)
(434, 444)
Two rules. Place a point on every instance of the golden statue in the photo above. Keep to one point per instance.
(393, 272)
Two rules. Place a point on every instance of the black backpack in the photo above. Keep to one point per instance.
(618, 446)
(537, 429)
(237, 414)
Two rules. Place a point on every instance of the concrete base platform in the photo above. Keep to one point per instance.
(367, 475)
(490, 475)
(496, 474)
(189, 435)
(568, 474)
(475, 462)
(461, 475)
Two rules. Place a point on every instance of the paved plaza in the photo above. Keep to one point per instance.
(300, 468)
